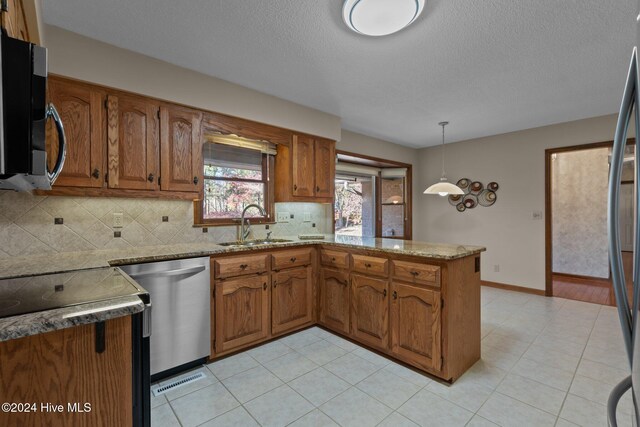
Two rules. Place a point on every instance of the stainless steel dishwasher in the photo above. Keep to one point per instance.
(181, 322)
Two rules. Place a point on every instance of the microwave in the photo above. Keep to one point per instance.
(23, 116)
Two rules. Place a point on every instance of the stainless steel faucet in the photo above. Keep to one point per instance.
(245, 229)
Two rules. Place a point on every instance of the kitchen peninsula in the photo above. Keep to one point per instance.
(413, 301)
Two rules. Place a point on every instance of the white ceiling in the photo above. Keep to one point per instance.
(487, 66)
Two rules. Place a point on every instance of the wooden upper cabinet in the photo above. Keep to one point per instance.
(325, 165)
(291, 299)
(334, 299)
(370, 310)
(416, 325)
(305, 170)
(181, 149)
(81, 110)
(133, 142)
(303, 165)
(241, 311)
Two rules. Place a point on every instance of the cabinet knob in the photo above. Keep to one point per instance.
(367, 265)
(195, 180)
(243, 266)
(384, 293)
(317, 189)
(150, 177)
(275, 284)
(293, 259)
(415, 273)
(295, 187)
(264, 286)
(395, 295)
(333, 259)
(96, 173)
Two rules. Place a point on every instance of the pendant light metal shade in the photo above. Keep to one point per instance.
(444, 187)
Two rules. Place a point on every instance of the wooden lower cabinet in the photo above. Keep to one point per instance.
(291, 298)
(370, 310)
(241, 311)
(334, 299)
(63, 367)
(416, 325)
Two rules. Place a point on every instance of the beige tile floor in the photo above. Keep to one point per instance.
(545, 362)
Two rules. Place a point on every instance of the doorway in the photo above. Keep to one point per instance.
(577, 261)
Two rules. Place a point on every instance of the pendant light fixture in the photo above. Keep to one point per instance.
(443, 188)
(380, 17)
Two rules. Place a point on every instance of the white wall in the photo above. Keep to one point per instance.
(362, 144)
(87, 59)
(515, 160)
(579, 184)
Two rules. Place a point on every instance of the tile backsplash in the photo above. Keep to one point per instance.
(48, 224)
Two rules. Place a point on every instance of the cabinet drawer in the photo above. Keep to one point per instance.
(334, 258)
(236, 266)
(417, 273)
(292, 258)
(371, 265)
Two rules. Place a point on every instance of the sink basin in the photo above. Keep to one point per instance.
(254, 242)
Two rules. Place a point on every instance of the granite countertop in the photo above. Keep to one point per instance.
(63, 262)
(22, 268)
(51, 320)
(84, 296)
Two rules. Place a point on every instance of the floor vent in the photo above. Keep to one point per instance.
(162, 389)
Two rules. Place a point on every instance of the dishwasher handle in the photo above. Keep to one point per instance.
(176, 272)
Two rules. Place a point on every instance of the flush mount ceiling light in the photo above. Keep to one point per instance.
(380, 17)
(443, 188)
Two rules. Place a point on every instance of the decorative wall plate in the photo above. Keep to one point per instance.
(487, 198)
(454, 199)
(470, 201)
(475, 194)
(476, 187)
(463, 183)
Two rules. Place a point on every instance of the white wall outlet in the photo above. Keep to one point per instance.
(537, 215)
(282, 217)
(118, 219)
(496, 268)
(306, 217)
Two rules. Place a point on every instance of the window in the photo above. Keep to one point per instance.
(234, 177)
(372, 197)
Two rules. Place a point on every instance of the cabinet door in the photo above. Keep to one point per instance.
(63, 367)
(325, 168)
(303, 164)
(81, 111)
(291, 299)
(334, 299)
(416, 325)
(133, 139)
(241, 311)
(370, 310)
(180, 151)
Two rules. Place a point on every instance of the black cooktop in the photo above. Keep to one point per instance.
(45, 292)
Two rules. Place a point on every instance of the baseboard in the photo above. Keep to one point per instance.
(512, 288)
(581, 280)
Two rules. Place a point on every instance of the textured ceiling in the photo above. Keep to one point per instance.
(487, 66)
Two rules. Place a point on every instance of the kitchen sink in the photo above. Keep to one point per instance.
(254, 242)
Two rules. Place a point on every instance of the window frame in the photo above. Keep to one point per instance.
(366, 160)
(268, 163)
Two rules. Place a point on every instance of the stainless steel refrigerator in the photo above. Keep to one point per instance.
(627, 310)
